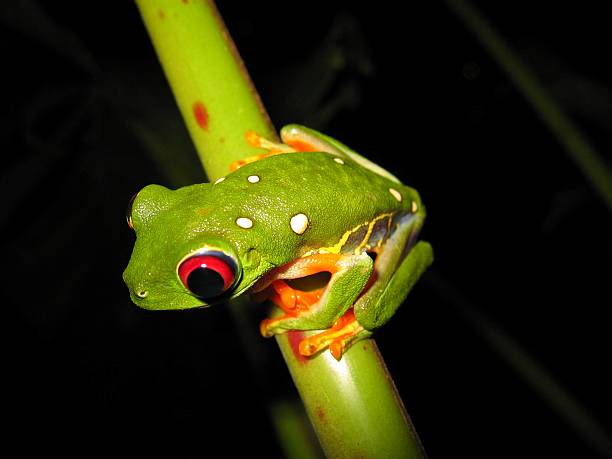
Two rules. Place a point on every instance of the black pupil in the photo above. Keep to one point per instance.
(205, 282)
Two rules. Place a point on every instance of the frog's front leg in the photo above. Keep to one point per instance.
(324, 308)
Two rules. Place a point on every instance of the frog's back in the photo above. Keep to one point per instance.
(315, 200)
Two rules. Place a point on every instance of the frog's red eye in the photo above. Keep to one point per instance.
(208, 275)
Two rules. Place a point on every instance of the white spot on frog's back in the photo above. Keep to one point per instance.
(244, 222)
(253, 178)
(339, 160)
(219, 180)
(396, 194)
(299, 223)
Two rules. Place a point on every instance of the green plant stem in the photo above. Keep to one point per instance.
(353, 404)
(210, 84)
(585, 156)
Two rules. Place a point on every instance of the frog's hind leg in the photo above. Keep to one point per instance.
(291, 145)
(257, 141)
(395, 273)
(380, 299)
(383, 298)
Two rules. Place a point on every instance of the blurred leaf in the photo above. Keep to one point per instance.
(528, 368)
(586, 97)
(585, 155)
(27, 17)
(326, 82)
(44, 144)
(156, 123)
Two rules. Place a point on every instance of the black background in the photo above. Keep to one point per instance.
(520, 235)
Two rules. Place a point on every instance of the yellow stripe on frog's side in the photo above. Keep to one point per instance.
(338, 246)
(366, 238)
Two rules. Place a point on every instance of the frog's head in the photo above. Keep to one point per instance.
(186, 254)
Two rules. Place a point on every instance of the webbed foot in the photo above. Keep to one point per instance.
(338, 338)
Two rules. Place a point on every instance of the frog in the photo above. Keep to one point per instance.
(326, 235)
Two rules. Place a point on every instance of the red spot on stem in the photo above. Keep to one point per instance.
(320, 413)
(185, 1)
(161, 14)
(200, 114)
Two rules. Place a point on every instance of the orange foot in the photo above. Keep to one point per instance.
(338, 338)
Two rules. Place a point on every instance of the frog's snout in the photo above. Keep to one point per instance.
(144, 297)
(141, 293)
(138, 295)
(138, 292)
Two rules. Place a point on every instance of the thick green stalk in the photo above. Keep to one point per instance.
(352, 404)
(210, 84)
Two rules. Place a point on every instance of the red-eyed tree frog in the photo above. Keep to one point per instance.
(306, 208)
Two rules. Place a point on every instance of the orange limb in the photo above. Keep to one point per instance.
(293, 301)
(338, 338)
(272, 148)
(301, 145)
(289, 299)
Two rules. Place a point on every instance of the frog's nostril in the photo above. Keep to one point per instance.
(142, 293)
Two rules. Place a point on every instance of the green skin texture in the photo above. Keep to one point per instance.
(335, 196)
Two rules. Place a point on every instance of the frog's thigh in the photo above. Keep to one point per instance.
(376, 307)
(342, 290)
